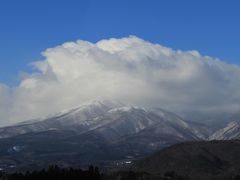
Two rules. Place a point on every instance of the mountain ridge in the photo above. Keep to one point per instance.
(230, 131)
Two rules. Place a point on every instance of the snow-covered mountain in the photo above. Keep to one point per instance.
(231, 131)
(97, 131)
(107, 117)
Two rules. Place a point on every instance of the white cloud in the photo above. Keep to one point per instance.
(129, 69)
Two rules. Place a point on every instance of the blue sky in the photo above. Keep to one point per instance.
(29, 27)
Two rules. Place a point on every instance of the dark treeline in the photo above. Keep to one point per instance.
(56, 173)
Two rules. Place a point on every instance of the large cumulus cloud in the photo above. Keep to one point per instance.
(129, 69)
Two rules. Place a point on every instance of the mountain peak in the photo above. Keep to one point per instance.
(104, 102)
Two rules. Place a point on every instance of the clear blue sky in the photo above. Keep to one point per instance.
(28, 27)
